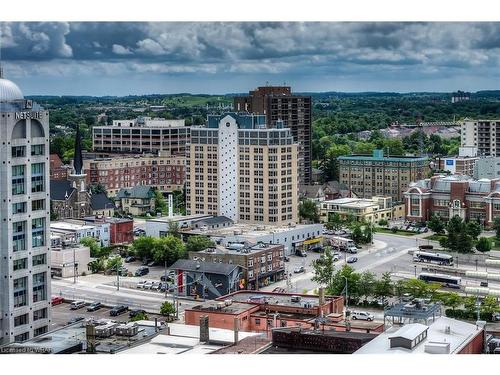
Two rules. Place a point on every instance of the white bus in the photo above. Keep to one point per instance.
(444, 280)
(441, 259)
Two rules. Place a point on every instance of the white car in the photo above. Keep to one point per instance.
(362, 315)
(140, 284)
(148, 285)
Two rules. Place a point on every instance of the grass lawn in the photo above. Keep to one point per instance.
(399, 232)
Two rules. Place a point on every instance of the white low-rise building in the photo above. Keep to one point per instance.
(78, 229)
(65, 258)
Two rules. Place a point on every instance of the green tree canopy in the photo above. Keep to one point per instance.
(143, 247)
(384, 287)
(167, 309)
(324, 268)
(483, 245)
(199, 243)
(308, 210)
(436, 224)
(168, 249)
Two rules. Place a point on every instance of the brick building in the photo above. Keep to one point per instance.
(454, 195)
(121, 230)
(258, 311)
(367, 176)
(163, 171)
(295, 111)
(58, 170)
(144, 134)
(260, 263)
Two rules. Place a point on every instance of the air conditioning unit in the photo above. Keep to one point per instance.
(228, 302)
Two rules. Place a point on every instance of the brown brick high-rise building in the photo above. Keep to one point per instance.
(278, 103)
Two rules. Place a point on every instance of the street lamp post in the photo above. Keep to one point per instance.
(415, 270)
(476, 264)
(346, 298)
(74, 264)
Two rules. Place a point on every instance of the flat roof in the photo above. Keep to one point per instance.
(460, 334)
(281, 299)
(62, 225)
(353, 202)
(234, 308)
(166, 219)
(403, 159)
(252, 230)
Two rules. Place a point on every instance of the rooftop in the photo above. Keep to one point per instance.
(206, 267)
(459, 335)
(353, 202)
(234, 308)
(279, 299)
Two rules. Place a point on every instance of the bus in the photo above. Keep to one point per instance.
(444, 280)
(441, 259)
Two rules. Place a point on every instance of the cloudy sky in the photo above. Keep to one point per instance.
(121, 58)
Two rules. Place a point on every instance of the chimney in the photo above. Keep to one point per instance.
(204, 329)
(236, 328)
(90, 335)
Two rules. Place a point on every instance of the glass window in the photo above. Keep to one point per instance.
(37, 150)
(39, 314)
(39, 259)
(22, 337)
(39, 287)
(18, 173)
(37, 177)
(38, 204)
(21, 320)
(18, 151)
(40, 331)
(20, 264)
(19, 236)
(18, 208)
(20, 292)
(38, 232)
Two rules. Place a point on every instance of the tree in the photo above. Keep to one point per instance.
(324, 268)
(334, 222)
(93, 245)
(198, 243)
(496, 227)
(328, 161)
(420, 289)
(97, 265)
(98, 188)
(357, 233)
(465, 243)
(473, 229)
(160, 204)
(366, 285)
(167, 308)
(139, 316)
(489, 305)
(338, 284)
(458, 238)
(483, 245)
(308, 210)
(174, 229)
(384, 287)
(114, 263)
(143, 247)
(452, 300)
(168, 249)
(436, 224)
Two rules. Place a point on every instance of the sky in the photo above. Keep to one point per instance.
(128, 58)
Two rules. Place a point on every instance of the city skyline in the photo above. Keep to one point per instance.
(122, 58)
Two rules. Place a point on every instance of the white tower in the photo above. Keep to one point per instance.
(24, 216)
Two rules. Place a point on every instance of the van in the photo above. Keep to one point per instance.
(75, 305)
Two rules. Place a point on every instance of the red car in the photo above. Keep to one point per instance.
(56, 300)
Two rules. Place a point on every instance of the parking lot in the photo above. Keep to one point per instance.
(62, 314)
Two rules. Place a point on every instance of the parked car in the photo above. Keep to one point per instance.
(135, 312)
(118, 310)
(336, 257)
(298, 269)
(56, 300)
(140, 284)
(151, 264)
(352, 260)
(286, 259)
(141, 271)
(145, 262)
(362, 315)
(75, 319)
(130, 258)
(496, 317)
(148, 285)
(156, 286)
(94, 306)
(484, 284)
(75, 305)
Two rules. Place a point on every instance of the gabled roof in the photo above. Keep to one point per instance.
(60, 190)
(208, 267)
(139, 191)
(100, 201)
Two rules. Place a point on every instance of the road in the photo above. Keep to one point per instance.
(389, 253)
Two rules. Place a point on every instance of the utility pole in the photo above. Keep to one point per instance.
(166, 283)
(74, 264)
(117, 277)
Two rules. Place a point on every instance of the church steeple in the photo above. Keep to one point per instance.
(78, 159)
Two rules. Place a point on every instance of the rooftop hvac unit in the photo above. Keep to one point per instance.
(434, 347)
(220, 305)
(228, 302)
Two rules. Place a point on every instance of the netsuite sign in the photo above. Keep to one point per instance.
(28, 115)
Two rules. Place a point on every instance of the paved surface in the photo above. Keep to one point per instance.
(61, 314)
